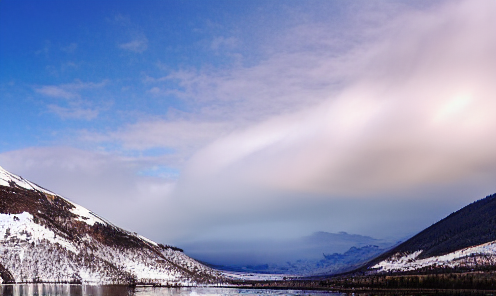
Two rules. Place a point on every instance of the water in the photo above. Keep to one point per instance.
(77, 290)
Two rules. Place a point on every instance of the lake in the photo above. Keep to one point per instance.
(78, 290)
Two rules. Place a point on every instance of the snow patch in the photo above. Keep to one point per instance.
(85, 215)
(458, 258)
(147, 240)
(22, 228)
(256, 276)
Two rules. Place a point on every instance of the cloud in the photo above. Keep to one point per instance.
(70, 48)
(138, 45)
(317, 133)
(75, 106)
(73, 112)
(176, 139)
(386, 121)
(414, 110)
(56, 92)
(223, 42)
(70, 90)
(404, 104)
(46, 49)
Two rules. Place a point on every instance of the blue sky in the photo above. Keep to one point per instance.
(202, 120)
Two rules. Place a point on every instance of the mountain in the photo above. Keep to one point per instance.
(277, 251)
(46, 238)
(465, 240)
(318, 253)
(328, 264)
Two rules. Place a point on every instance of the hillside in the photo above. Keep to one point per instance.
(464, 239)
(46, 238)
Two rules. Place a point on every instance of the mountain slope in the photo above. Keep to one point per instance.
(46, 238)
(464, 239)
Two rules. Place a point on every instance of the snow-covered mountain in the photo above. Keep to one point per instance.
(315, 254)
(326, 265)
(463, 241)
(46, 238)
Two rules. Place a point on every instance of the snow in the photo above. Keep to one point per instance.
(31, 250)
(255, 276)
(147, 240)
(463, 257)
(22, 227)
(18, 233)
(2, 181)
(6, 176)
(85, 215)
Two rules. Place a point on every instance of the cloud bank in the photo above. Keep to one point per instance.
(386, 116)
(414, 110)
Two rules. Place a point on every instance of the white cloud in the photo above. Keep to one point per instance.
(221, 42)
(70, 90)
(73, 112)
(139, 45)
(75, 106)
(414, 110)
(182, 138)
(405, 104)
(56, 92)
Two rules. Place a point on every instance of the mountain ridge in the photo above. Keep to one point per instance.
(44, 237)
(464, 239)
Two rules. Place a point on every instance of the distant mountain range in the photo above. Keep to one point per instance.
(465, 240)
(319, 253)
(46, 238)
(329, 264)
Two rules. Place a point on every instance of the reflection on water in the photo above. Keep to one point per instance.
(228, 291)
(64, 290)
(77, 290)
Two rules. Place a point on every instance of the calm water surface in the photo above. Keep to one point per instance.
(76, 290)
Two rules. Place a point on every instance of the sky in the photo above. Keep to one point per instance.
(195, 121)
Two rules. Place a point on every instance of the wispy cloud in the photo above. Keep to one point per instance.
(69, 90)
(138, 45)
(73, 112)
(76, 107)
(176, 139)
(46, 48)
(57, 92)
(71, 48)
(223, 42)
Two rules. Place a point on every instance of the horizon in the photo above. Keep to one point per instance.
(228, 121)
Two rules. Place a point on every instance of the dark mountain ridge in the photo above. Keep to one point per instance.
(473, 225)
